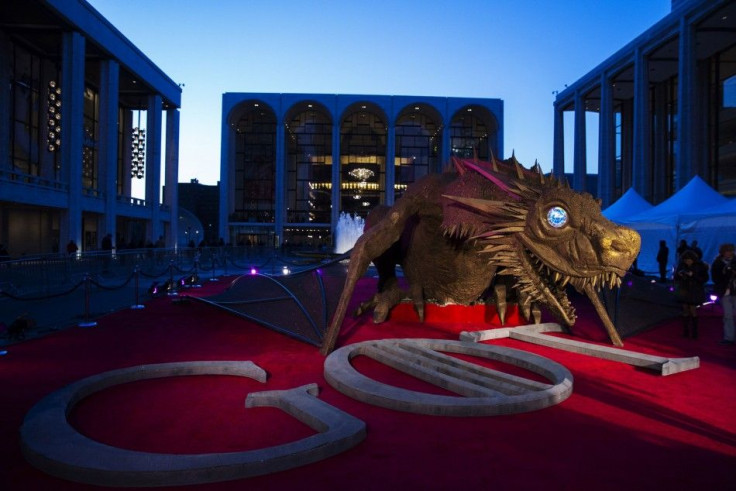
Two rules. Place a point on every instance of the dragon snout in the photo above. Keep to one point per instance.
(619, 247)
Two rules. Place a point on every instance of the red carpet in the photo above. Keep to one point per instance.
(622, 427)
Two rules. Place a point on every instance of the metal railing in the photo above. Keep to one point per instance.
(54, 291)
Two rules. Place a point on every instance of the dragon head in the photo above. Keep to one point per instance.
(542, 233)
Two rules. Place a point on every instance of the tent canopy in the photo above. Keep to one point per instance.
(696, 195)
(688, 214)
(630, 203)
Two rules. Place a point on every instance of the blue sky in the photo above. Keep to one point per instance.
(520, 51)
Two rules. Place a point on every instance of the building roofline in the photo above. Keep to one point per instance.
(647, 41)
(100, 32)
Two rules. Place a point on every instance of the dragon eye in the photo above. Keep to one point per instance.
(557, 217)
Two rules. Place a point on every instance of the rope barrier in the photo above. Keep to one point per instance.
(42, 297)
(110, 288)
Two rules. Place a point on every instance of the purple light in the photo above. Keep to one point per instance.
(629, 283)
(253, 271)
(672, 288)
(319, 272)
(713, 298)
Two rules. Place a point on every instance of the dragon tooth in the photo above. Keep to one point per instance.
(495, 248)
(557, 277)
(509, 229)
(565, 280)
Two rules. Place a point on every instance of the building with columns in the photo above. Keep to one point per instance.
(83, 113)
(666, 105)
(277, 178)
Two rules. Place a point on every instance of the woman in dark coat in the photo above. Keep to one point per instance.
(691, 276)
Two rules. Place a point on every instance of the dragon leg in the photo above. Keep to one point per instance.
(536, 313)
(525, 305)
(373, 243)
(383, 301)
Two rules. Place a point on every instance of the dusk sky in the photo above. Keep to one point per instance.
(519, 51)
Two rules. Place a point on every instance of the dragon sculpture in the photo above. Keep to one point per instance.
(490, 228)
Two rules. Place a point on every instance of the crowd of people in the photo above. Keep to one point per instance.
(690, 277)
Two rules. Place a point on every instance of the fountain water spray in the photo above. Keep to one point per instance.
(349, 228)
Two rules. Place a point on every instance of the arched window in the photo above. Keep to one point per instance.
(255, 165)
(309, 166)
(473, 133)
(362, 160)
(418, 146)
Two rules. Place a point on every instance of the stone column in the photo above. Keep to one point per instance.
(642, 165)
(171, 197)
(627, 150)
(280, 181)
(72, 118)
(685, 105)
(390, 177)
(127, 184)
(5, 102)
(558, 152)
(660, 150)
(227, 173)
(108, 144)
(579, 154)
(606, 144)
(153, 165)
(447, 145)
(336, 175)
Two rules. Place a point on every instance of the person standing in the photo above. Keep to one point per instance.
(694, 247)
(691, 276)
(71, 248)
(663, 256)
(723, 272)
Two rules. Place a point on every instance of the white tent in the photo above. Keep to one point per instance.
(711, 227)
(629, 204)
(664, 222)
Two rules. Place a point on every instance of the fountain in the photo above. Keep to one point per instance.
(349, 228)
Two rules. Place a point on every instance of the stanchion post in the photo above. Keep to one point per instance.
(195, 278)
(87, 322)
(136, 304)
(173, 289)
(213, 269)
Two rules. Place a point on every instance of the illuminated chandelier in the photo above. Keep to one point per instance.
(53, 120)
(362, 174)
(138, 150)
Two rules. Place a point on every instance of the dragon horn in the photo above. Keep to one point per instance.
(484, 205)
(494, 162)
(538, 168)
(459, 167)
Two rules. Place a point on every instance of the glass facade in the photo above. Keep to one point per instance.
(26, 97)
(255, 166)
(292, 165)
(89, 142)
(418, 145)
(469, 135)
(723, 143)
(362, 161)
(309, 167)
